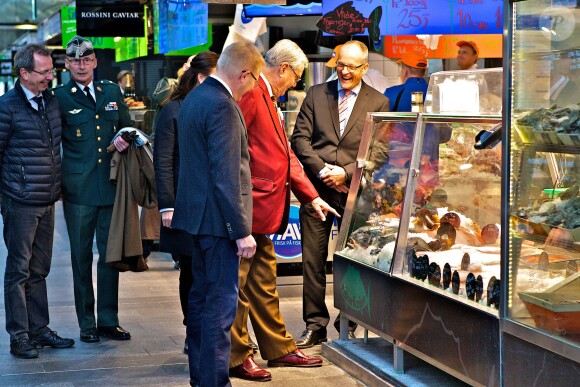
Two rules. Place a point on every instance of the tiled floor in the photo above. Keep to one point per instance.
(149, 309)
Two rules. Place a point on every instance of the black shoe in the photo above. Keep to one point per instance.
(310, 338)
(24, 348)
(51, 339)
(115, 333)
(90, 335)
(252, 345)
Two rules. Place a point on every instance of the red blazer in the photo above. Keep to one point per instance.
(274, 167)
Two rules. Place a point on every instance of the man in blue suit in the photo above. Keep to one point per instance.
(214, 204)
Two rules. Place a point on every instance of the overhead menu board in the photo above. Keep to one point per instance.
(412, 17)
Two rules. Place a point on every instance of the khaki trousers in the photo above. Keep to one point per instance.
(259, 299)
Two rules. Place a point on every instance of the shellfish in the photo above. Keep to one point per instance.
(455, 282)
(470, 286)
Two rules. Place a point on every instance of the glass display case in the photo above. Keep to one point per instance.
(425, 201)
(542, 201)
(441, 223)
(418, 257)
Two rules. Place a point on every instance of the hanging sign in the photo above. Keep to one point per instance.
(411, 17)
(490, 46)
(69, 30)
(111, 20)
(415, 17)
(352, 18)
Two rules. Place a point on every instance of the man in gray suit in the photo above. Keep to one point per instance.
(214, 204)
(326, 140)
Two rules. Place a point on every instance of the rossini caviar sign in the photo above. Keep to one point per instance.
(111, 20)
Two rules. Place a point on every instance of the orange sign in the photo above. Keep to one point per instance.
(490, 46)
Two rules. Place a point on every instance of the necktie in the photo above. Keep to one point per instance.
(38, 100)
(343, 109)
(89, 95)
(278, 110)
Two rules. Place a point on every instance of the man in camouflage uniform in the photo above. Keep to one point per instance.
(92, 112)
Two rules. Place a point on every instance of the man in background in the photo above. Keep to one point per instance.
(30, 168)
(93, 112)
(412, 72)
(122, 80)
(214, 204)
(276, 173)
(326, 139)
(467, 55)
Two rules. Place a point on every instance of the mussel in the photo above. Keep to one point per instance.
(465, 261)
(446, 276)
(470, 286)
(455, 282)
(478, 288)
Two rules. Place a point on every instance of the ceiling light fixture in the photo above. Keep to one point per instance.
(18, 26)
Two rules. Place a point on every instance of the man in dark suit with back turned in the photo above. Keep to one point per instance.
(326, 140)
(214, 204)
(92, 112)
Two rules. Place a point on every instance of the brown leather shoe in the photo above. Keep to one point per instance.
(249, 370)
(295, 359)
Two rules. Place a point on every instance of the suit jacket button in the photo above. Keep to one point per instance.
(97, 116)
(287, 184)
(100, 161)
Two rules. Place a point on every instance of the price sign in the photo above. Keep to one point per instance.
(413, 17)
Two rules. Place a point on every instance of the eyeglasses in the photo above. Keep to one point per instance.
(44, 73)
(340, 66)
(297, 77)
(252, 74)
(85, 61)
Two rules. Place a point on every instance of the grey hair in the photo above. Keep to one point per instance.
(287, 51)
(24, 58)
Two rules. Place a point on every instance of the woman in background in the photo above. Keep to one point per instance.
(166, 162)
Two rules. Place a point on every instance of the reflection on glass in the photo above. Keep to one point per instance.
(453, 239)
(544, 233)
(375, 220)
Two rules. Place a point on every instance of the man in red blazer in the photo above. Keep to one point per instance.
(275, 172)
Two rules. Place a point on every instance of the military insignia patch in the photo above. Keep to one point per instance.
(111, 106)
(73, 90)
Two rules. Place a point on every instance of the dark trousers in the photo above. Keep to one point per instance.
(213, 303)
(185, 282)
(28, 234)
(82, 223)
(315, 237)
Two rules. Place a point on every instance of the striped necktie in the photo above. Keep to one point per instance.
(343, 109)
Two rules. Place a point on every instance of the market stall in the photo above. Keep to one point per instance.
(541, 297)
(418, 257)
